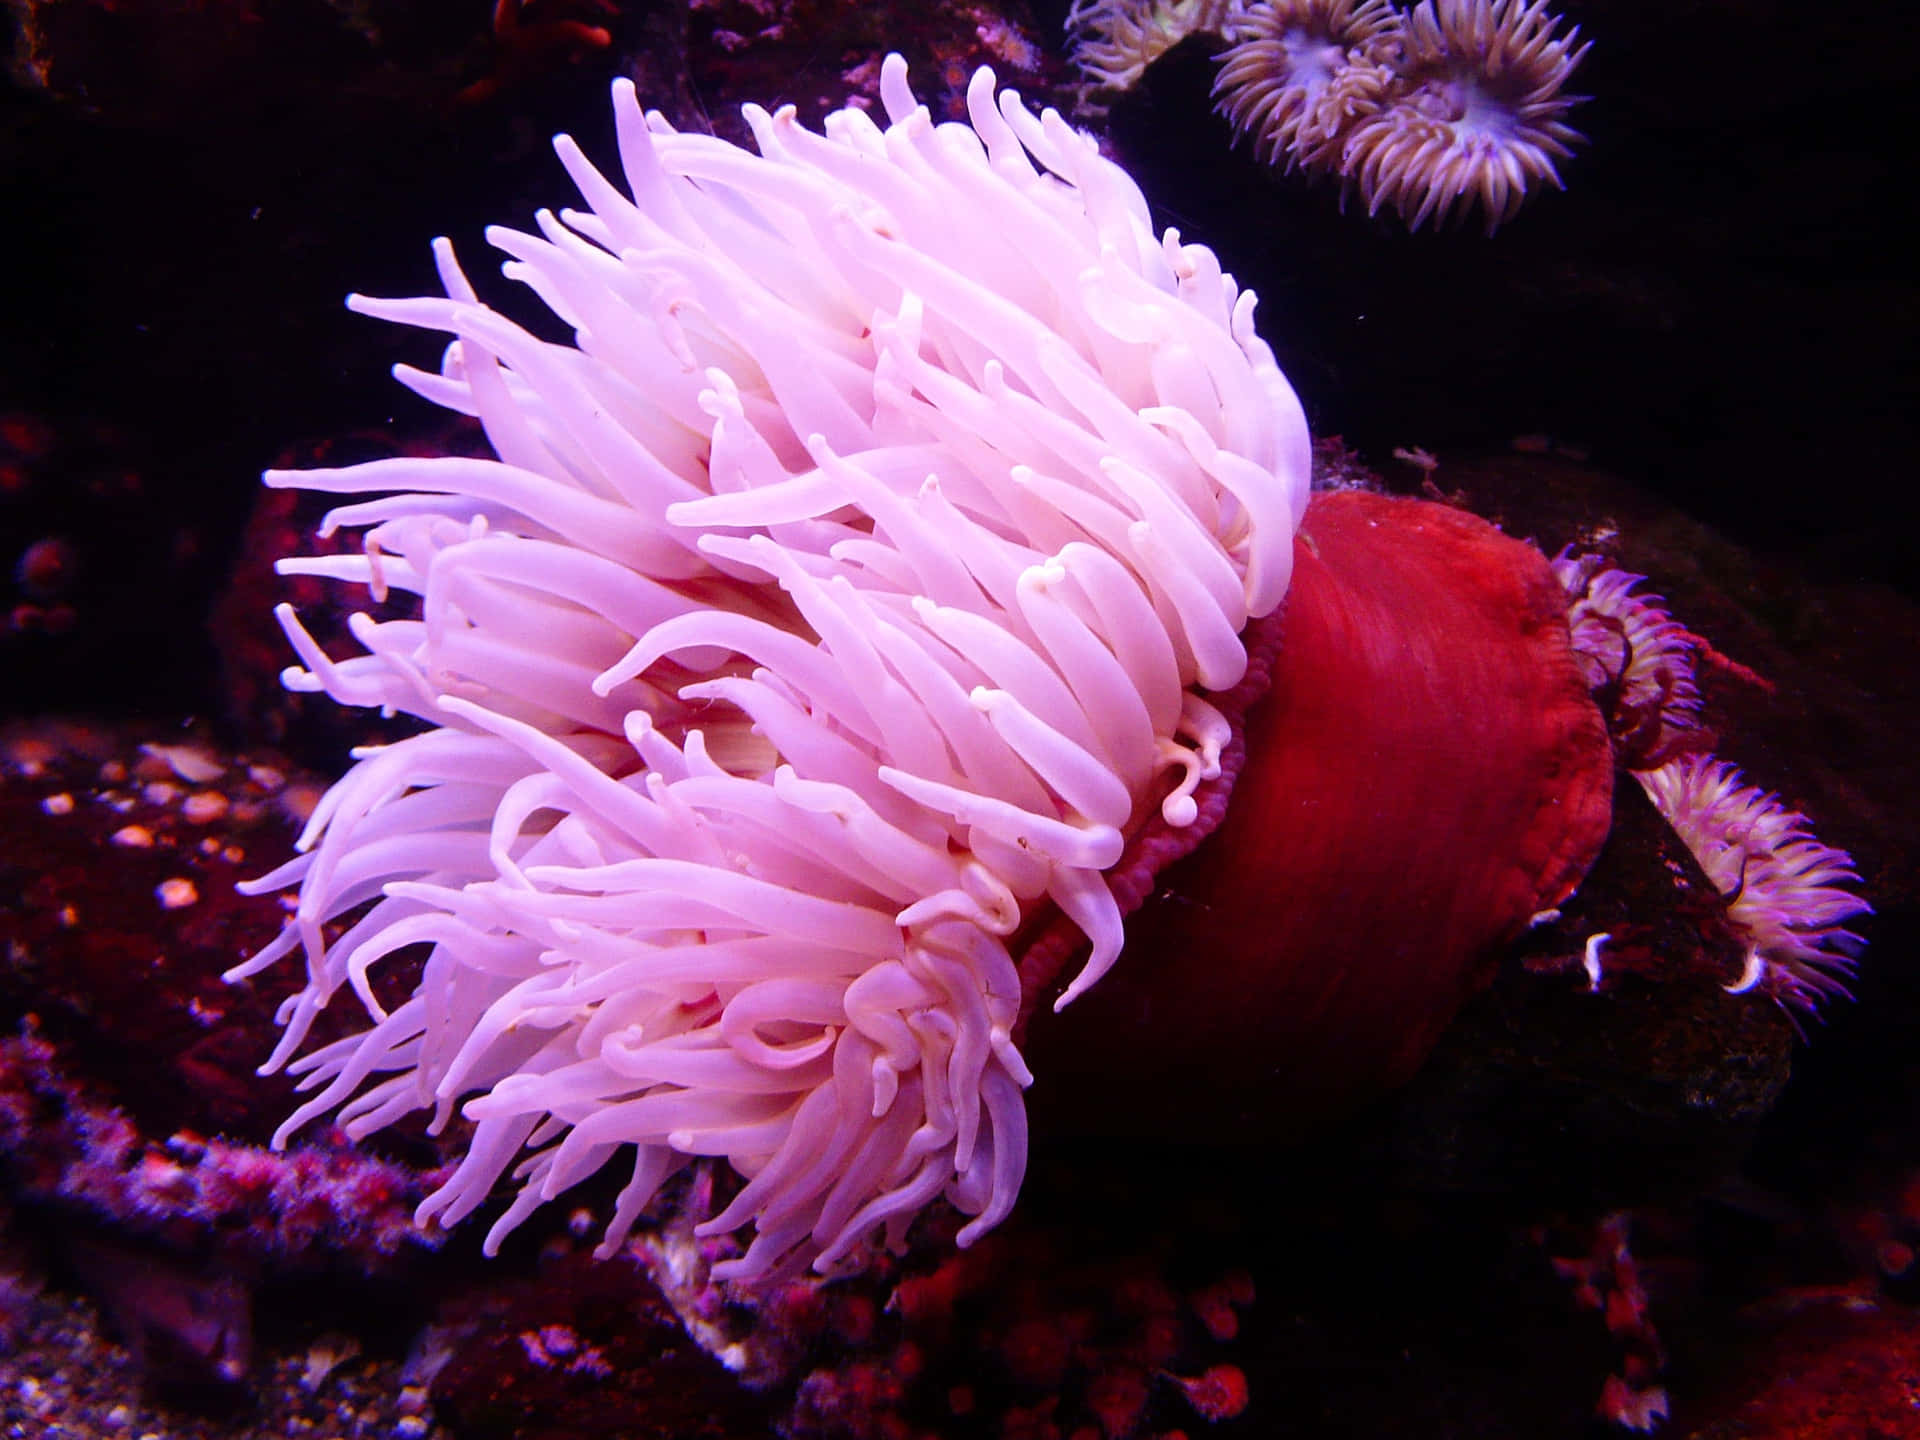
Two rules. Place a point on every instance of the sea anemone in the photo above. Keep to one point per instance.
(1114, 41)
(1303, 72)
(838, 603)
(1476, 115)
(1638, 659)
(1783, 888)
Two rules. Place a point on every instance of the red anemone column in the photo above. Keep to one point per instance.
(1426, 774)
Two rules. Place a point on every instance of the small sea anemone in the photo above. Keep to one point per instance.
(1303, 72)
(1638, 658)
(1782, 886)
(1477, 115)
(1114, 41)
(838, 602)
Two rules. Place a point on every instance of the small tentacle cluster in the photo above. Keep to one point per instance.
(1784, 890)
(1432, 113)
(842, 596)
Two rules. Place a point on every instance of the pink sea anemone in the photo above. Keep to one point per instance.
(1477, 116)
(842, 598)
